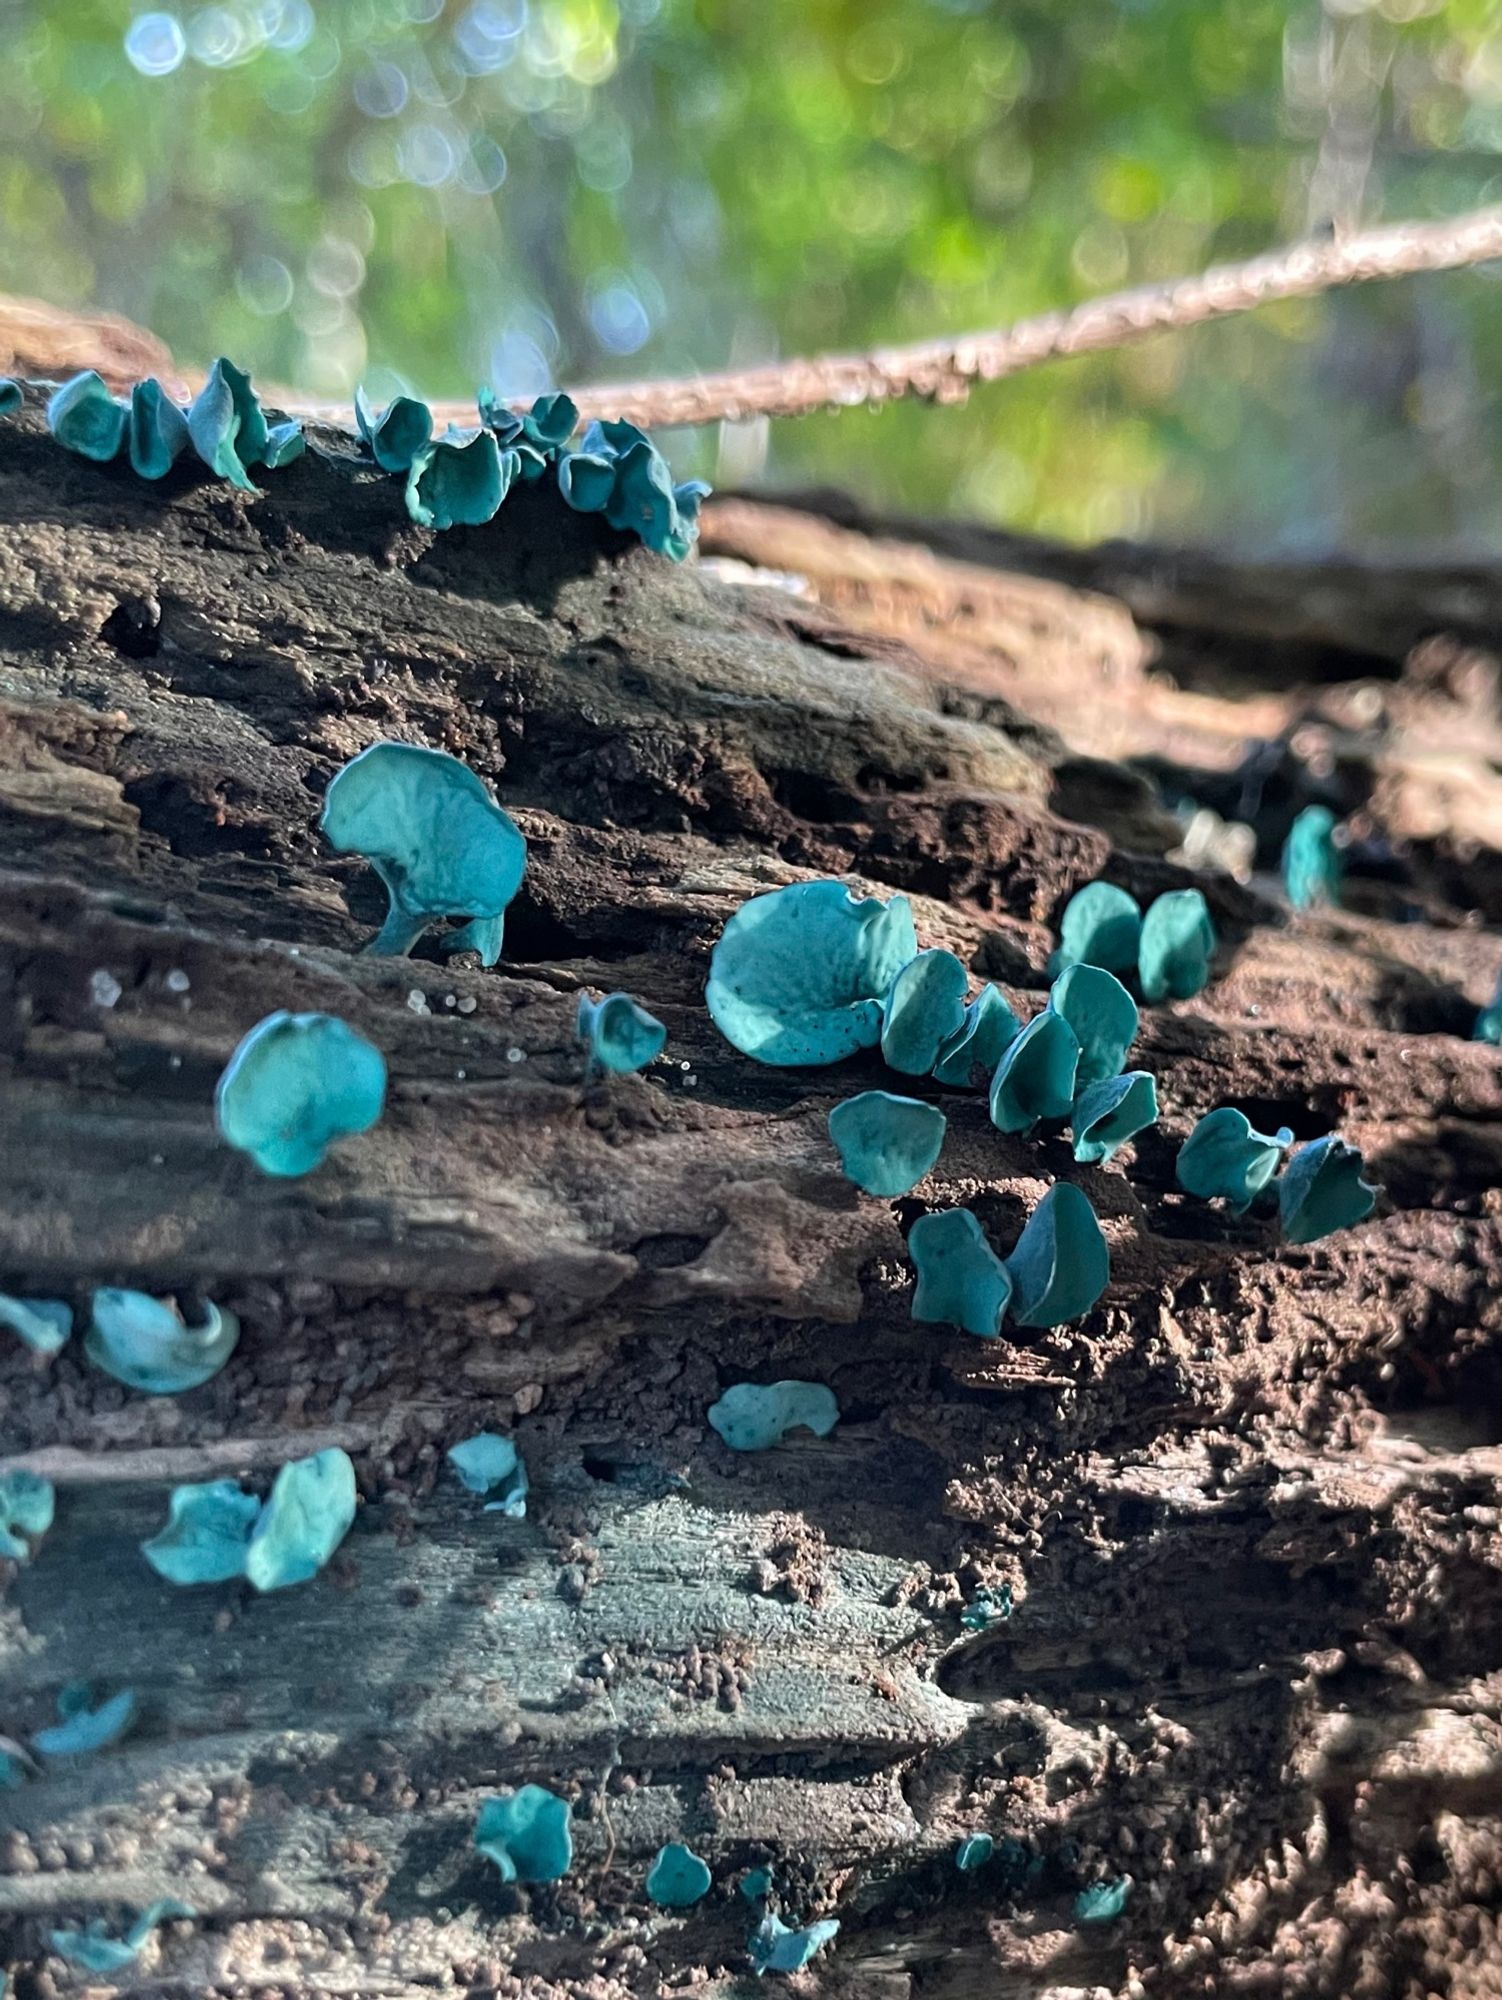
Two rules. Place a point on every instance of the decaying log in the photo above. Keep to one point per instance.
(1248, 1509)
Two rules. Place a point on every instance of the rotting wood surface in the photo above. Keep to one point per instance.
(1248, 1508)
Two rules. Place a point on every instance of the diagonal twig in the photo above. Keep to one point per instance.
(945, 370)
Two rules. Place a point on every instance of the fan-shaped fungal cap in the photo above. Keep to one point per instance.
(85, 418)
(215, 1532)
(1110, 1112)
(527, 1835)
(459, 480)
(1102, 1902)
(44, 1324)
(886, 1143)
(157, 431)
(11, 397)
(1061, 1264)
(27, 1504)
(753, 1416)
(798, 975)
(432, 832)
(618, 472)
(619, 1035)
(983, 1037)
(644, 500)
(81, 1729)
(310, 1510)
(1312, 864)
(1103, 1016)
(1177, 945)
(1322, 1191)
(395, 434)
(486, 1461)
(924, 1008)
(1223, 1158)
(774, 1947)
(143, 1342)
(539, 436)
(227, 426)
(973, 1852)
(207, 1533)
(284, 442)
(551, 421)
(96, 1951)
(1035, 1077)
(295, 1084)
(1101, 925)
(960, 1277)
(677, 1877)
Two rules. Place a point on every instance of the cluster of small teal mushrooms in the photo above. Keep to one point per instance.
(811, 974)
(458, 479)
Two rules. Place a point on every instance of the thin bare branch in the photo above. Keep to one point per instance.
(944, 370)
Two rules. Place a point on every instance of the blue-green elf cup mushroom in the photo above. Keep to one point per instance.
(144, 1342)
(215, 1532)
(799, 975)
(435, 836)
(85, 418)
(886, 1143)
(459, 480)
(1225, 1159)
(618, 1034)
(395, 434)
(295, 1084)
(1322, 1190)
(961, 1280)
(1061, 1264)
(526, 1834)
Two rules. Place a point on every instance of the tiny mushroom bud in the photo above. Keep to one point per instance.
(619, 1035)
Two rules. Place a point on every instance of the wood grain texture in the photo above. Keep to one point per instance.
(1248, 1508)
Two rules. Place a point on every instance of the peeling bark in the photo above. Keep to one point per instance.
(1248, 1508)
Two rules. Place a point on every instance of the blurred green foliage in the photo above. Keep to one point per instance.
(428, 194)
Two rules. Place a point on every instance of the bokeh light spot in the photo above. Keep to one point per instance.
(425, 155)
(155, 44)
(217, 38)
(264, 285)
(483, 168)
(381, 90)
(618, 318)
